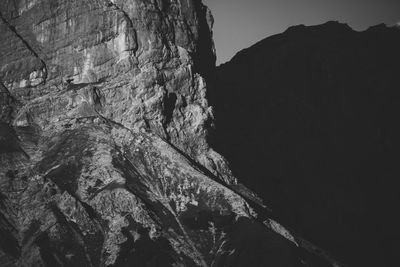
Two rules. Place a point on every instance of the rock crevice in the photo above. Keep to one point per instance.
(39, 75)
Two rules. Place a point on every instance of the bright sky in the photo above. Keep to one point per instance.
(241, 23)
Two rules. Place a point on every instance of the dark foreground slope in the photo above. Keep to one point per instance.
(104, 159)
(310, 119)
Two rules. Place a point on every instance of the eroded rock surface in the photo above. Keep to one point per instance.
(104, 159)
(138, 61)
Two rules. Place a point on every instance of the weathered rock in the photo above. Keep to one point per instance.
(314, 110)
(103, 142)
(139, 57)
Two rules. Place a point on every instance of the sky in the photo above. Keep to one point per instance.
(241, 23)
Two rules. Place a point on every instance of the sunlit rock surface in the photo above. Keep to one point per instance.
(104, 159)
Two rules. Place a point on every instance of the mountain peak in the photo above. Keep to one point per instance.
(313, 110)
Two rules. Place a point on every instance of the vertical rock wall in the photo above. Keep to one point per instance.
(143, 62)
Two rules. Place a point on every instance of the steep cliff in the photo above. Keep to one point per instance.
(104, 159)
(137, 63)
(315, 110)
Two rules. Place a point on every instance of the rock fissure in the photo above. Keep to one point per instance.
(28, 46)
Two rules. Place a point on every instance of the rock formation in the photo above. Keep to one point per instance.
(308, 119)
(104, 159)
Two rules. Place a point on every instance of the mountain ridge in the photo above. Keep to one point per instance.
(313, 110)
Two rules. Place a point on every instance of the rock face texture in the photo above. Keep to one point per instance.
(104, 159)
(135, 62)
(308, 119)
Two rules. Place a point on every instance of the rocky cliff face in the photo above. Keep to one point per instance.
(137, 63)
(315, 111)
(104, 159)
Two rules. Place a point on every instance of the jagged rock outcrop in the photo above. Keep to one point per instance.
(104, 159)
(308, 119)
